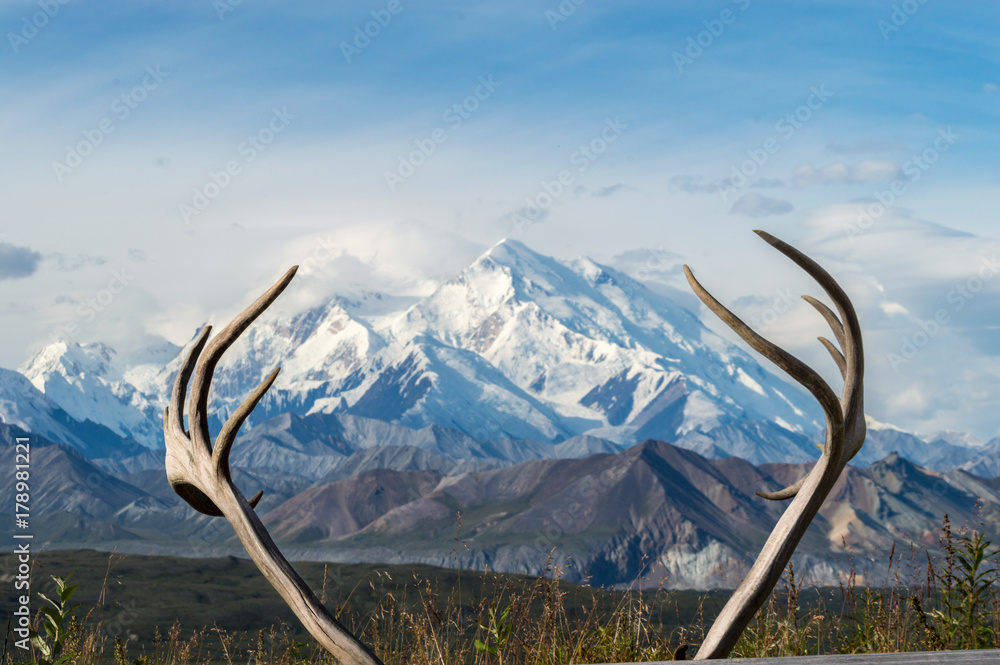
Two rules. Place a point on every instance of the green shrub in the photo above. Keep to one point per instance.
(51, 648)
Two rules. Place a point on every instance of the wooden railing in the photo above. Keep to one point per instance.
(979, 657)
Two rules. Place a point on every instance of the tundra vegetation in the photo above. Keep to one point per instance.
(912, 601)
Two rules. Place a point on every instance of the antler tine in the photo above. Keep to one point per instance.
(224, 442)
(173, 416)
(792, 366)
(852, 397)
(200, 474)
(787, 493)
(851, 327)
(838, 331)
(845, 434)
(835, 325)
(837, 356)
(213, 352)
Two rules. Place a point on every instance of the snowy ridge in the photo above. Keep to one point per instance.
(89, 382)
(23, 405)
(518, 345)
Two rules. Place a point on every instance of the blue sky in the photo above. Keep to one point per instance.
(838, 101)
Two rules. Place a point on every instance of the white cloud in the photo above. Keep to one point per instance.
(892, 308)
(839, 172)
(695, 184)
(399, 258)
(70, 262)
(928, 297)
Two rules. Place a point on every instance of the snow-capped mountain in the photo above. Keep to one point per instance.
(518, 345)
(89, 382)
(25, 406)
(521, 339)
(945, 451)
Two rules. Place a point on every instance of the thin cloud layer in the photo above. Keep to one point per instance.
(757, 205)
(695, 184)
(864, 146)
(610, 190)
(839, 172)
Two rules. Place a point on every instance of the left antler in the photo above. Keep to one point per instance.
(199, 473)
(845, 434)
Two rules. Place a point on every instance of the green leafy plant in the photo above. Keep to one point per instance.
(966, 581)
(499, 630)
(55, 617)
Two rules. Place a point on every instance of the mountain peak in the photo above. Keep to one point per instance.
(956, 439)
(893, 462)
(517, 257)
(875, 425)
(69, 359)
(510, 245)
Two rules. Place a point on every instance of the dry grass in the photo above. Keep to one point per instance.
(921, 604)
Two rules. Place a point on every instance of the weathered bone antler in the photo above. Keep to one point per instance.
(845, 433)
(199, 473)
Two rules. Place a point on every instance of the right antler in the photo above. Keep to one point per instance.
(845, 434)
(199, 473)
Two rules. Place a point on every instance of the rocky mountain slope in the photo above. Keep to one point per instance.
(653, 510)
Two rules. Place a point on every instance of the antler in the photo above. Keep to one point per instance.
(845, 434)
(199, 473)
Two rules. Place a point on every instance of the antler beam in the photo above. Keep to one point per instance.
(845, 434)
(199, 473)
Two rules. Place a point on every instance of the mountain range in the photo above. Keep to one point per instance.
(523, 405)
(517, 346)
(647, 514)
